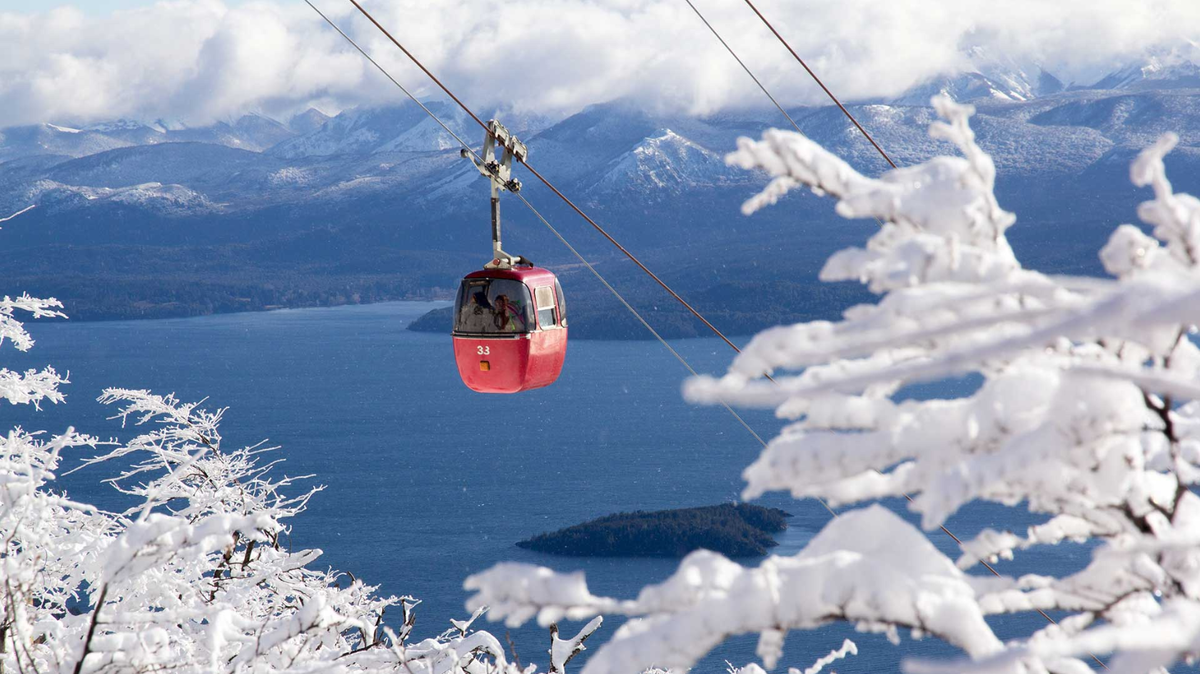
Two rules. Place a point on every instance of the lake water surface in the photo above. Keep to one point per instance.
(427, 482)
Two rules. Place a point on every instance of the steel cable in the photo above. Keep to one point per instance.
(886, 158)
(550, 185)
(820, 84)
(552, 229)
(600, 229)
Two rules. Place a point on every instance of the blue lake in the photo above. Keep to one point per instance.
(427, 482)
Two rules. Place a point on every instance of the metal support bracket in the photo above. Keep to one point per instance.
(499, 173)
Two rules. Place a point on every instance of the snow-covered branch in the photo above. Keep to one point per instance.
(195, 579)
(867, 567)
(1086, 412)
(562, 651)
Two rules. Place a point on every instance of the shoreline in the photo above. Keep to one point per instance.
(274, 309)
(432, 305)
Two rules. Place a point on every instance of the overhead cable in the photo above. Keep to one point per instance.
(732, 53)
(548, 184)
(820, 84)
(552, 229)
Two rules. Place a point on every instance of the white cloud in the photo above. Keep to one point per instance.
(202, 60)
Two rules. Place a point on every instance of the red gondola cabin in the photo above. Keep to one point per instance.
(510, 329)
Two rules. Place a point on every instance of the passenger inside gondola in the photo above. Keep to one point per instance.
(489, 306)
(508, 315)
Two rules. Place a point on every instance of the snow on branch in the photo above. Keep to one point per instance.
(1086, 409)
(848, 648)
(13, 330)
(1042, 345)
(195, 579)
(32, 386)
(1144, 646)
(563, 650)
(867, 567)
(942, 221)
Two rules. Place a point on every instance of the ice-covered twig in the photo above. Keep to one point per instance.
(563, 650)
(849, 572)
(848, 648)
(463, 626)
(942, 219)
(13, 330)
(1078, 396)
(1145, 646)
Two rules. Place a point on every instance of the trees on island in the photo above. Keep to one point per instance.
(1086, 414)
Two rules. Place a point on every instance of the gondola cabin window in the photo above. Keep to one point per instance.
(547, 312)
(562, 304)
(492, 306)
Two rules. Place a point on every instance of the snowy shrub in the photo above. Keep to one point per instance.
(193, 577)
(1087, 414)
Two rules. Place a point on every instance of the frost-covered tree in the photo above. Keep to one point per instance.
(1087, 415)
(194, 577)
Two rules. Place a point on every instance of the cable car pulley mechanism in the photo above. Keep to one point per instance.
(499, 174)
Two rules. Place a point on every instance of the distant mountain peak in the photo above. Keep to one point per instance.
(1048, 84)
(663, 160)
(1175, 66)
(308, 121)
(117, 125)
(985, 76)
(403, 127)
(164, 199)
(165, 125)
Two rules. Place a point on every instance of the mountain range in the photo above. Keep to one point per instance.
(157, 218)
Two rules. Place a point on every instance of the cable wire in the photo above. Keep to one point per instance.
(393, 80)
(744, 66)
(550, 185)
(582, 259)
(821, 84)
(552, 229)
(756, 81)
(889, 161)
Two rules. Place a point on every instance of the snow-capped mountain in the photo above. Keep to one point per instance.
(200, 165)
(1130, 118)
(334, 195)
(308, 121)
(249, 132)
(665, 162)
(400, 128)
(254, 133)
(986, 76)
(37, 139)
(166, 200)
(131, 131)
(1175, 68)
(617, 156)
(354, 132)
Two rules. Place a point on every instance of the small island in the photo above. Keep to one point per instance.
(740, 530)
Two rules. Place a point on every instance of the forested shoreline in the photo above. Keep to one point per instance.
(734, 530)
